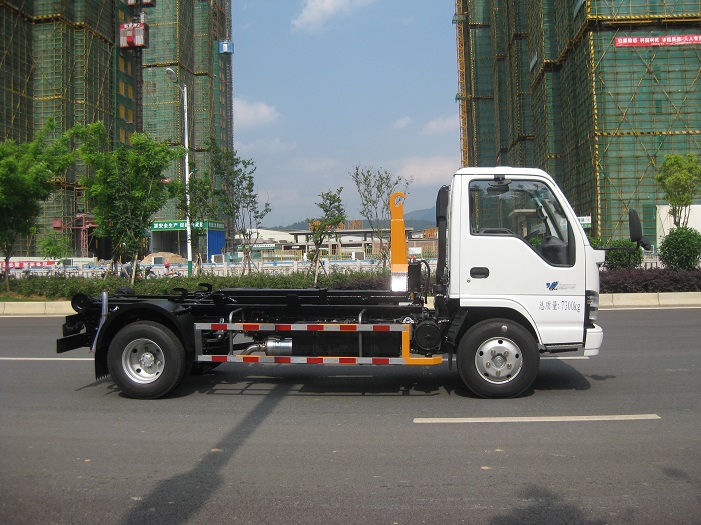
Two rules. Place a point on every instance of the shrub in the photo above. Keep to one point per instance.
(681, 249)
(595, 242)
(623, 255)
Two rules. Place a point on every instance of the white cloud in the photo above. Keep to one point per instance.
(322, 167)
(252, 114)
(403, 123)
(267, 146)
(428, 171)
(316, 13)
(442, 125)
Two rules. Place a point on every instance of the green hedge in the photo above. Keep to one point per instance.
(65, 287)
(53, 288)
(655, 280)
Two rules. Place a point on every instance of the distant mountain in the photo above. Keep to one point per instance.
(299, 225)
(418, 220)
(429, 214)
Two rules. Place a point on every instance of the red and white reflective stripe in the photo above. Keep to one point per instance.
(301, 360)
(272, 327)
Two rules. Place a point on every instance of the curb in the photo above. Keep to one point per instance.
(649, 300)
(606, 301)
(36, 308)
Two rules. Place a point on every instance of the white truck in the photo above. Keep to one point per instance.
(516, 278)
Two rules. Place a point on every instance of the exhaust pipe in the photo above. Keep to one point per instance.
(272, 346)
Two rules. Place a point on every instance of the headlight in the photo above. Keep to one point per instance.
(592, 305)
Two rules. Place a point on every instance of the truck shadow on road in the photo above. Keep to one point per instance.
(326, 380)
(306, 380)
(173, 500)
(559, 375)
(546, 506)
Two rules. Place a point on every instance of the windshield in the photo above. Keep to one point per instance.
(525, 209)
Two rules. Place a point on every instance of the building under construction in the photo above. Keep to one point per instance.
(596, 92)
(188, 62)
(82, 61)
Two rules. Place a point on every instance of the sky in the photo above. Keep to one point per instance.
(322, 86)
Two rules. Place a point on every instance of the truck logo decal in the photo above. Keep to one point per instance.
(557, 285)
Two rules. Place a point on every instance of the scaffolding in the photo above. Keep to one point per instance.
(186, 37)
(459, 20)
(518, 151)
(57, 62)
(495, 114)
(475, 83)
(647, 101)
(16, 68)
(594, 92)
(61, 59)
(630, 96)
(499, 78)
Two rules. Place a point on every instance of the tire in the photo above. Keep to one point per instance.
(146, 360)
(498, 358)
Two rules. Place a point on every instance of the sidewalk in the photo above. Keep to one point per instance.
(606, 301)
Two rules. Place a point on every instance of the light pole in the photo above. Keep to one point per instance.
(173, 77)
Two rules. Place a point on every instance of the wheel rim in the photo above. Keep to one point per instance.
(143, 361)
(498, 360)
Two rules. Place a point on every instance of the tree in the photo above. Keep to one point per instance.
(333, 214)
(238, 199)
(26, 173)
(202, 207)
(680, 179)
(375, 187)
(126, 186)
(55, 246)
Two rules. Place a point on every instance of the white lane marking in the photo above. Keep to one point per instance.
(680, 307)
(47, 359)
(566, 357)
(536, 419)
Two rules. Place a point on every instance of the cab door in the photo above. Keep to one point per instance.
(519, 250)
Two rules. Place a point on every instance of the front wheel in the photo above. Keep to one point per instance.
(146, 360)
(498, 358)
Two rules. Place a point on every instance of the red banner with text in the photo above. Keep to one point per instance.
(669, 40)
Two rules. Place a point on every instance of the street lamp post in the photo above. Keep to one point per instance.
(173, 77)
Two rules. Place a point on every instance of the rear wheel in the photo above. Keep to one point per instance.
(498, 358)
(146, 360)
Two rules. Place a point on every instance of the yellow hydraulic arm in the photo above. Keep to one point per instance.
(398, 251)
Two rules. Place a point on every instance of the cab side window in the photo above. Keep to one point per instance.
(525, 209)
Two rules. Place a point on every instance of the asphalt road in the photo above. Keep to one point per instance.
(356, 445)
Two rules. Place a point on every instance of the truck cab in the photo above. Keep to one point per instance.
(516, 244)
(516, 257)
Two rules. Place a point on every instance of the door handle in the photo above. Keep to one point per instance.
(479, 272)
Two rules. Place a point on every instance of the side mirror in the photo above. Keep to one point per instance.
(636, 230)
